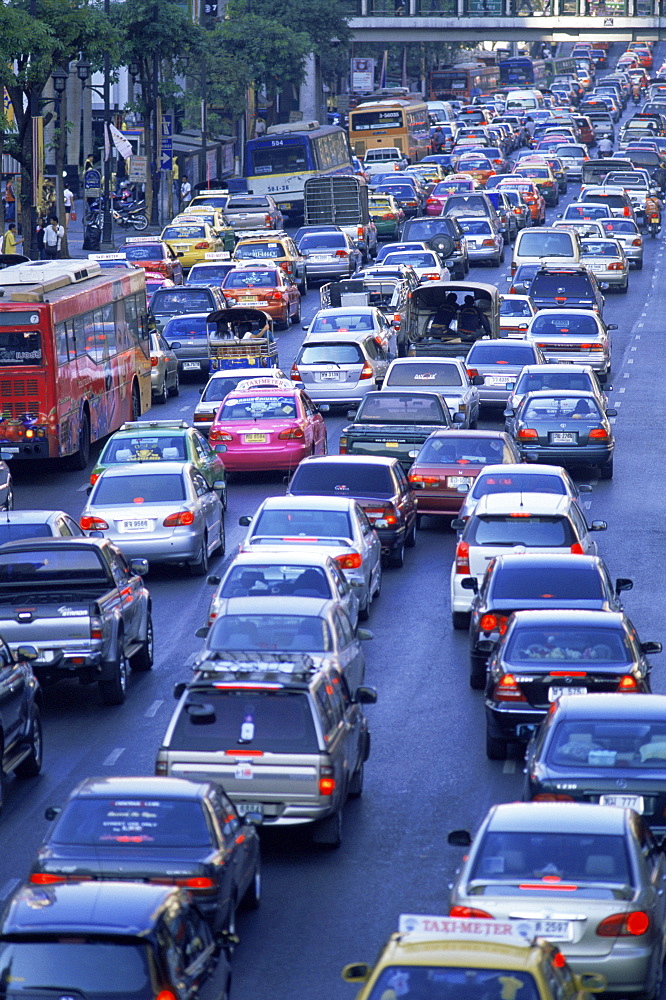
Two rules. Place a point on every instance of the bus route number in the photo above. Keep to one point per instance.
(277, 142)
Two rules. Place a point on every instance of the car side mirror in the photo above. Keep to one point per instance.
(598, 526)
(253, 819)
(245, 520)
(623, 583)
(470, 583)
(364, 634)
(459, 838)
(416, 485)
(351, 414)
(463, 488)
(88, 490)
(179, 253)
(324, 408)
(591, 982)
(202, 632)
(477, 380)
(175, 346)
(651, 647)
(509, 412)
(28, 653)
(179, 689)
(458, 523)
(213, 579)
(357, 972)
(612, 326)
(458, 418)
(365, 695)
(52, 812)
(486, 646)
(584, 488)
(305, 328)
(560, 215)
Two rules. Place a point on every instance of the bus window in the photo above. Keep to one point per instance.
(142, 320)
(79, 336)
(279, 158)
(132, 319)
(109, 329)
(62, 354)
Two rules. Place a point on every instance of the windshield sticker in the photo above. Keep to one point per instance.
(427, 377)
(399, 983)
(342, 488)
(510, 986)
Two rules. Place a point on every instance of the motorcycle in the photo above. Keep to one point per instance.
(134, 216)
(654, 225)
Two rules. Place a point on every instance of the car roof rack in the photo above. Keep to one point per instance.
(253, 664)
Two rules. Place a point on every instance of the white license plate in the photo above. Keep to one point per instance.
(318, 258)
(242, 808)
(503, 380)
(563, 437)
(554, 930)
(556, 692)
(623, 801)
(141, 525)
(454, 481)
(189, 366)
(327, 376)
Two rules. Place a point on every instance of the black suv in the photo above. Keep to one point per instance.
(380, 487)
(566, 288)
(530, 581)
(20, 718)
(117, 940)
(428, 228)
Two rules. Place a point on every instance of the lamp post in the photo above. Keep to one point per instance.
(83, 70)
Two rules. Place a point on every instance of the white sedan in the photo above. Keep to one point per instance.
(426, 264)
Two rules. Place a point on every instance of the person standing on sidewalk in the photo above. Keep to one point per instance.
(185, 192)
(53, 235)
(68, 196)
(10, 239)
(10, 201)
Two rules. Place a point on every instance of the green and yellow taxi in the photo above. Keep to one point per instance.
(215, 219)
(387, 216)
(192, 240)
(276, 247)
(448, 958)
(162, 441)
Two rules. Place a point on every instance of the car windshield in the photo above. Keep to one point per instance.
(293, 524)
(550, 286)
(558, 644)
(546, 245)
(90, 967)
(247, 278)
(255, 719)
(618, 743)
(517, 482)
(250, 250)
(439, 982)
(272, 580)
(561, 408)
(342, 479)
(258, 408)
(315, 241)
(295, 633)
(500, 354)
(554, 322)
(523, 856)
(186, 328)
(388, 407)
(447, 449)
(184, 233)
(132, 822)
(528, 583)
(144, 449)
(521, 528)
(325, 322)
(138, 489)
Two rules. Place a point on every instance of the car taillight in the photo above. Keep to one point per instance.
(366, 371)
(204, 245)
(268, 220)
(488, 243)
(352, 561)
(632, 924)
(292, 434)
(432, 277)
(94, 476)
(470, 911)
(426, 480)
(295, 375)
(199, 883)
(386, 513)
(528, 433)
(342, 445)
(636, 243)
(326, 780)
(627, 211)
(513, 264)
(88, 523)
(182, 517)
(627, 683)
(215, 434)
(472, 372)
(96, 628)
(45, 878)
(388, 215)
(359, 233)
(433, 201)
(278, 296)
(462, 559)
(548, 797)
(493, 623)
(154, 362)
(507, 689)
(598, 432)
(342, 253)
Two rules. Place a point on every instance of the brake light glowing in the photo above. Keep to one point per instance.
(292, 434)
(326, 780)
(93, 478)
(352, 561)
(598, 432)
(165, 995)
(154, 362)
(470, 911)
(462, 558)
(493, 623)
(472, 372)
(528, 433)
(88, 523)
(627, 211)
(182, 517)
(627, 683)
(547, 797)
(45, 878)
(632, 924)
(507, 689)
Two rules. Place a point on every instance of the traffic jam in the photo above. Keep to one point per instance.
(318, 602)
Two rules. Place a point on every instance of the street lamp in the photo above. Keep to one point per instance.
(59, 77)
(83, 71)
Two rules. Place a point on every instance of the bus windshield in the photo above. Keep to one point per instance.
(279, 159)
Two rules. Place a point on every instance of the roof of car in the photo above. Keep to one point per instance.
(556, 817)
(346, 310)
(523, 468)
(307, 503)
(547, 618)
(127, 908)
(612, 705)
(312, 607)
(145, 469)
(475, 434)
(572, 563)
(379, 460)
(559, 367)
(148, 786)
(31, 516)
(523, 503)
(305, 556)
(75, 542)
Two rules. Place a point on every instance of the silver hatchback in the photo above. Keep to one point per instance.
(165, 512)
(340, 368)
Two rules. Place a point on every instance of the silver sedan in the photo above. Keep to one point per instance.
(165, 512)
(608, 261)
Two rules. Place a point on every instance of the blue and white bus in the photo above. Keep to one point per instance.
(281, 161)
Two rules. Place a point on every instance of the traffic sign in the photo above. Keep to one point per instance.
(166, 159)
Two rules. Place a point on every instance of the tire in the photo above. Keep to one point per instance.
(284, 324)
(303, 287)
(639, 265)
(460, 619)
(79, 460)
(410, 538)
(175, 388)
(496, 749)
(477, 676)
(396, 558)
(356, 783)
(136, 402)
(419, 521)
(143, 659)
(297, 318)
(252, 897)
(501, 259)
(9, 502)
(328, 832)
(32, 765)
(364, 611)
(624, 289)
(200, 565)
(606, 471)
(140, 222)
(222, 540)
(496, 261)
(162, 396)
(114, 690)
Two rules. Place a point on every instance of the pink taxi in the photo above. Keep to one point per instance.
(267, 423)
(453, 184)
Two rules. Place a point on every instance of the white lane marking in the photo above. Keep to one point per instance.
(9, 887)
(509, 767)
(183, 409)
(625, 375)
(634, 348)
(630, 361)
(587, 504)
(113, 756)
(190, 660)
(154, 708)
(639, 325)
(82, 489)
(623, 389)
(612, 420)
(637, 336)
(619, 403)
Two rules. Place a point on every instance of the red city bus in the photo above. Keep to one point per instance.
(74, 356)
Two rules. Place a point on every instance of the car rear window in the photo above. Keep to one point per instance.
(613, 200)
(447, 982)
(342, 479)
(17, 532)
(463, 203)
(166, 300)
(250, 250)
(521, 528)
(188, 232)
(559, 644)
(424, 376)
(517, 482)
(422, 259)
(48, 565)
(218, 388)
(425, 229)
(554, 322)
(448, 449)
(305, 525)
(555, 380)
(561, 408)
(476, 227)
(138, 489)
(500, 354)
(347, 322)
(272, 721)
(546, 245)
(272, 580)
(133, 822)
(620, 226)
(324, 240)
(241, 203)
(186, 327)
(335, 354)
(600, 248)
(622, 743)
(587, 211)
(258, 408)
(549, 286)
(144, 449)
(385, 406)
(88, 968)
(246, 278)
(557, 583)
(208, 274)
(294, 633)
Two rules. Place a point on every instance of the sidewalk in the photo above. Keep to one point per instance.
(75, 233)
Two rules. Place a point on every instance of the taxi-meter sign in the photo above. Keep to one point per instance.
(515, 932)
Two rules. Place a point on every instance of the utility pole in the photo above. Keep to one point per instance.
(106, 242)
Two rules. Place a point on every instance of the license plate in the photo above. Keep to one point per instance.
(250, 298)
(556, 692)
(554, 930)
(243, 808)
(328, 376)
(502, 380)
(189, 366)
(255, 438)
(455, 481)
(318, 257)
(285, 204)
(392, 444)
(623, 801)
(563, 437)
(141, 525)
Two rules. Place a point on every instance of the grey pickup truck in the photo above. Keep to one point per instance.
(84, 608)
(395, 424)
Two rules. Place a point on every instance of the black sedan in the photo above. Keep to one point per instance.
(155, 829)
(530, 581)
(546, 654)
(605, 748)
(567, 427)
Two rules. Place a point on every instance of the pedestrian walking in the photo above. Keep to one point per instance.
(10, 201)
(53, 235)
(10, 239)
(70, 213)
(185, 192)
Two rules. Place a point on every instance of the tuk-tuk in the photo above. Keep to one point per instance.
(430, 335)
(388, 294)
(240, 338)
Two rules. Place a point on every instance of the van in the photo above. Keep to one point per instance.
(523, 100)
(556, 246)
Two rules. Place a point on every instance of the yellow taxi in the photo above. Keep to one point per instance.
(276, 247)
(191, 241)
(540, 173)
(387, 216)
(214, 218)
(448, 958)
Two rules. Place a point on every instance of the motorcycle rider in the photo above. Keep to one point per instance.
(653, 207)
(605, 146)
(636, 93)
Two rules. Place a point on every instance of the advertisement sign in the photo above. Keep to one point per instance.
(138, 170)
(362, 75)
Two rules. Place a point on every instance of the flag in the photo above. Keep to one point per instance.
(382, 77)
(122, 144)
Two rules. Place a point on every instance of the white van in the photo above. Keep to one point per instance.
(548, 246)
(526, 100)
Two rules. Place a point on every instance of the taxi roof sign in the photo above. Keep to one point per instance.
(143, 239)
(264, 382)
(514, 932)
(218, 255)
(107, 256)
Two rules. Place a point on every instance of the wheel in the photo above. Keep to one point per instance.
(136, 402)
(161, 397)
(143, 659)
(252, 897)
(200, 565)
(297, 318)
(378, 588)
(328, 832)
(221, 540)
(410, 538)
(364, 611)
(32, 765)
(460, 272)
(460, 619)
(356, 783)
(639, 264)
(624, 288)
(9, 502)
(284, 324)
(477, 676)
(303, 287)
(175, 388)
(79, 460)
(419, 521)
(496, 261)
(113, 691)
(140, 222)
(496, 749)
(606, 471)
(501, 260)
(396, 557)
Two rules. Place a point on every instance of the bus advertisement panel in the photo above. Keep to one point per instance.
(462, 82)
(74, 357)
(404, 124)
(280, 162)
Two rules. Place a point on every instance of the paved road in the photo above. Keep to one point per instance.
(428, 772)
